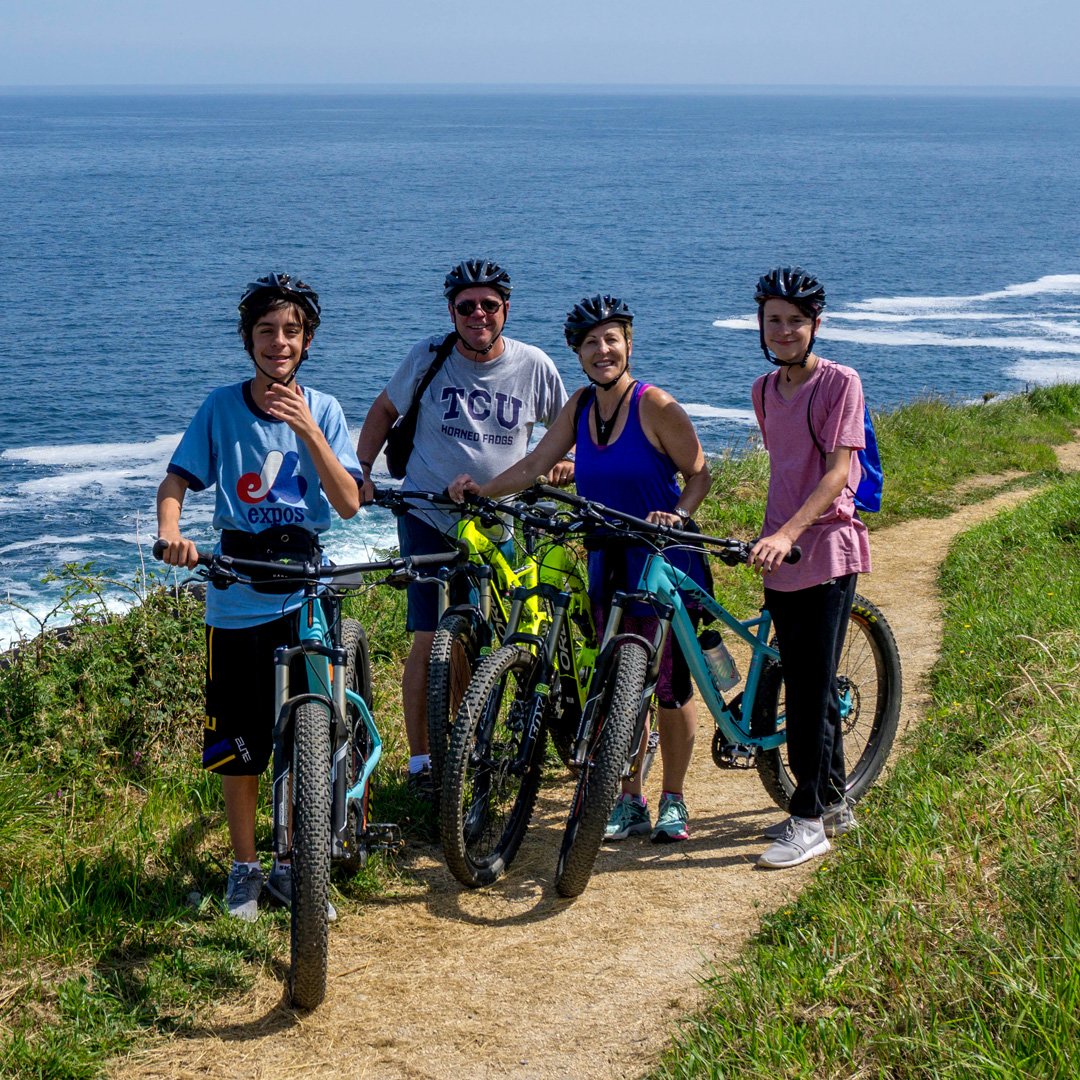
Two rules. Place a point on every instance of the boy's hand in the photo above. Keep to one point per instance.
(288, 403)
(180, 552)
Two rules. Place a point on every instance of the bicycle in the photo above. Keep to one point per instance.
(474, 604)
(749, 727)
(532, 685)
(326, 743)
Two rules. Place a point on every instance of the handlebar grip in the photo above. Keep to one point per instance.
(159, 548)
(794, 555)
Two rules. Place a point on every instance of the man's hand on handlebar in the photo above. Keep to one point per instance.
(460, 485)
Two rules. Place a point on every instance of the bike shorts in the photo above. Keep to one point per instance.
(416, 537)
(238, 733)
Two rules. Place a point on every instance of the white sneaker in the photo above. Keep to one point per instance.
(803, 839)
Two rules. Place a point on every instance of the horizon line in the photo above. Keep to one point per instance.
(527, 87)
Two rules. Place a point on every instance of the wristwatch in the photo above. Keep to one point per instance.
(682, 512)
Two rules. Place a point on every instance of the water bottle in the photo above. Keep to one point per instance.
(719, 661)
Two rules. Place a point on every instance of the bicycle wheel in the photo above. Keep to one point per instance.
(869, 678)
(358, 679)
(310, 854)
(598, 782)
(486, 803)
(454, 653)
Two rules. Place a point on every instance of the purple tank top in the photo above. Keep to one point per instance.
(629, 474)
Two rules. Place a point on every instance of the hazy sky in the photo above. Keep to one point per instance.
(830, 42)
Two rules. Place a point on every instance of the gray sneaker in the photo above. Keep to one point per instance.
(279, 886)
(774, 832)
(242, 892)
(837, 820)
(803, 839)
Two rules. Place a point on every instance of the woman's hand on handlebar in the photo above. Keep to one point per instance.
(561, 473)
(460, 485)
(176, 551)
(661, 517)
(769, 552)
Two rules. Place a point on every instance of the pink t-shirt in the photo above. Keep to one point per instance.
(837, 542)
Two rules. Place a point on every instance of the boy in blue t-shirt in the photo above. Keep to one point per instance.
(280, 456)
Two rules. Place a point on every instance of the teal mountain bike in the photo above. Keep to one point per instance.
(326, 744)
(750, 727)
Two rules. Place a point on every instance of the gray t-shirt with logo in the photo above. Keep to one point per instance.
(475, 417)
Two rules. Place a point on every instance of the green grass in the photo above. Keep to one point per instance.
(944, 938)
(115, 851)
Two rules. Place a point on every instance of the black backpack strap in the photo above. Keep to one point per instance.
(764, 387)
(810, 423)
(441, 353)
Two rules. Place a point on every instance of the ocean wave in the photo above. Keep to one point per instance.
(1053, 284)
(1044, 372)
(81, 454)
(929, 337)
(711, 412)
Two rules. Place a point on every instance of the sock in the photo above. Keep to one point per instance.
(672, 795)
(639, 799)
(250, 865)
(418, 762)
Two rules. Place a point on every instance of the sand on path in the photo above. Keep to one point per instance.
(511, 981)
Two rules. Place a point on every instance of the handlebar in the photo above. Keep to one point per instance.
(346, 575)
(599, 516)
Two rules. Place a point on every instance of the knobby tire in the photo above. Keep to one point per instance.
(454, 654)
(598, 782)
(485, 806)
(358, 679)
(869, 671)
(310, 854)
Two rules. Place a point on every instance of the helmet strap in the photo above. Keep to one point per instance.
(789, 364)
(292, 374)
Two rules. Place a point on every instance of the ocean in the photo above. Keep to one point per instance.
(946, 229)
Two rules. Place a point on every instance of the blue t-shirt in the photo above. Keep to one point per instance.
(265, 477)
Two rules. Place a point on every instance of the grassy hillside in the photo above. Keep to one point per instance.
(115, 847)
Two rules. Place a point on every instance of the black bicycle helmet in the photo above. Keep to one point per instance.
(283, 286)
(793, 284)
(592, 311)
(796, 286)
(473, 272)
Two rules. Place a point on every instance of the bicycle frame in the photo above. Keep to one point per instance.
(488, 564)
(325, 664)
(662, 583)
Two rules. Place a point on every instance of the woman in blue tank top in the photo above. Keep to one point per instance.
(632, 439)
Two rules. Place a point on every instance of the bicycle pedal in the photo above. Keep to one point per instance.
(383, 835)
(734, 755)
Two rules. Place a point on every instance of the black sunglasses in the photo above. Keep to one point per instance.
(467, 307)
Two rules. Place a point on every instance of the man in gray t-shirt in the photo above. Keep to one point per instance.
(476, 416)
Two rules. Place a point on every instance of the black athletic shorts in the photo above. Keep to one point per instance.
(238, 736)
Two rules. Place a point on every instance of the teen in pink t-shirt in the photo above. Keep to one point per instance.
(810, 412)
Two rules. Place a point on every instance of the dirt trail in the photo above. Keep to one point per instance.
(511, 981)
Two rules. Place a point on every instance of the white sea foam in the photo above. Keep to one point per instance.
(81, 454)
(1054, 284)
(928, 337)
(99, 481)
(710, 412)
(1044, 372)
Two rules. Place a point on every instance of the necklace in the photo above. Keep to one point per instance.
(604, 427)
